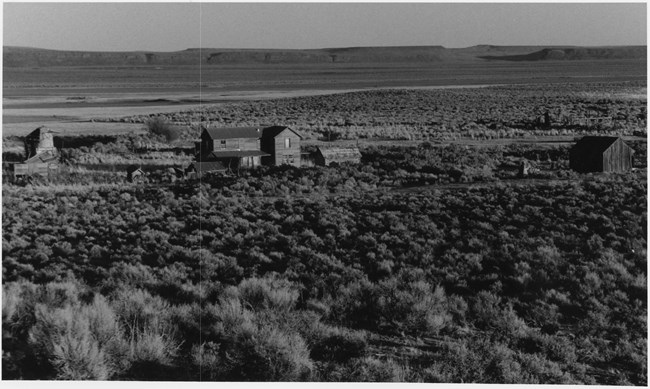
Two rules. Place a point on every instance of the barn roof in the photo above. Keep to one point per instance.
(211, 166)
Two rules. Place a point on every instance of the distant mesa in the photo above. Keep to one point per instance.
(33, 57)
(576, 53)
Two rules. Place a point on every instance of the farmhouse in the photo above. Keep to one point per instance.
(248, 147)
(41, 157)
(600, 154)
(325, 156)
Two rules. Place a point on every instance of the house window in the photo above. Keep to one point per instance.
(223, 144)
(287, 143)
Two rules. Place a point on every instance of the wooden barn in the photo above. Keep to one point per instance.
(249, 147)
(325, 156)
(600, 154)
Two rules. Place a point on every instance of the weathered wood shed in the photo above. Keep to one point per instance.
(600, 154)
(325, 156)
(42, 164)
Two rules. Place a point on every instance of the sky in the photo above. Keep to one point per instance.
(178, 26)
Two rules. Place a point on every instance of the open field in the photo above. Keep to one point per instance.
(23, 82)
(431, 260)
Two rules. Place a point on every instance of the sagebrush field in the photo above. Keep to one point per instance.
(432, 260)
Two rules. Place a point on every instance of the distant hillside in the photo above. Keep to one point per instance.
(31, 57)
(576, 53)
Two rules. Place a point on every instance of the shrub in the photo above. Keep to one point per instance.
(64, 345)
(159, 125)
(339, 345)
(268, 293)
(395, 305)
(137, 311)
(371, 369)
(247, 349)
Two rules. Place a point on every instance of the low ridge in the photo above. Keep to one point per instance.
(34, 57)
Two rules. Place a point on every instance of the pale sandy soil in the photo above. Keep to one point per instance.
(22, 115)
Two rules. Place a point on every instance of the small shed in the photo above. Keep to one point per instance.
(600, 154)
(325, 156)
(135, 174)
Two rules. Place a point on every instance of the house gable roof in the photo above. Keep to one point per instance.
(246, 132)
(233, 132)
(273, 131)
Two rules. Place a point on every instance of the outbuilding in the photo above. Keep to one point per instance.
(325, 156)
(135, 174)
(600, 154)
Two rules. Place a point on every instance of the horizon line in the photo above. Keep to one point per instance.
(326, 48)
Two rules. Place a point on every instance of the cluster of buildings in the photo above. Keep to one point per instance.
(221, 150)
(228, 149)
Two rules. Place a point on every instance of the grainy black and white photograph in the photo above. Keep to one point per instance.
(325, 192)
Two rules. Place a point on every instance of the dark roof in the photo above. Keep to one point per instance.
(234, 132)
(594, 144)
(273, 131)
(211, 166)
(235, 154)
(133, 169)
(45, 156)
(593, 147)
